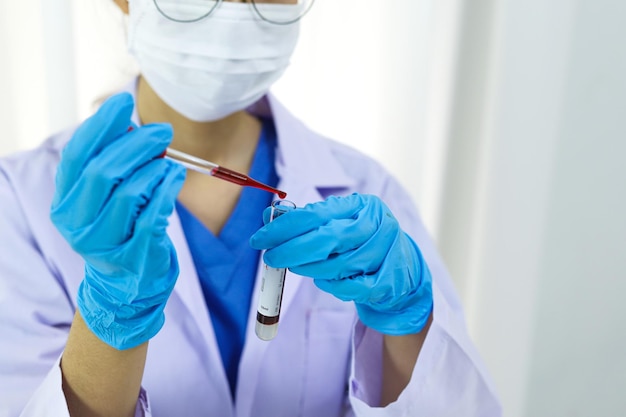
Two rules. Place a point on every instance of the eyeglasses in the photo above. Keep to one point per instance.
(272, 11)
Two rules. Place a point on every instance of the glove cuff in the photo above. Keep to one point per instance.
(410, 320)
(121, 311)
(407, 314)
(121, 327)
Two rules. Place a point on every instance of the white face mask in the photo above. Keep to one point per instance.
(209, 69)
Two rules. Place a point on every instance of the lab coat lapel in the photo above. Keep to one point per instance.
(187, 289)
(305, 165)
(254, 349)
(189, 293)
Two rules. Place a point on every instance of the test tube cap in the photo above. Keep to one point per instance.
(266, 331)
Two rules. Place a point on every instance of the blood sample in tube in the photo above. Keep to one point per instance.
(272, 284)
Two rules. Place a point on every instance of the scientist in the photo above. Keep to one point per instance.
(128, 285)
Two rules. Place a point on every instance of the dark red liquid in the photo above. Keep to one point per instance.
(266, 319)
(244, 180)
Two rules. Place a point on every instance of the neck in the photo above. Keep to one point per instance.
(230, 141)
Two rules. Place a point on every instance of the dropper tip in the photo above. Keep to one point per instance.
(281, 194)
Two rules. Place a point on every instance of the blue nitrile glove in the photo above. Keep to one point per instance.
(113, 197)
(354, 248)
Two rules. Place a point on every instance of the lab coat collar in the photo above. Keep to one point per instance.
(303, 159)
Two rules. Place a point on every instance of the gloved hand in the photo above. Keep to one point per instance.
(112, 200)
(354, 249)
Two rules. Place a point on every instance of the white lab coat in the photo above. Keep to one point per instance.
(323, 362)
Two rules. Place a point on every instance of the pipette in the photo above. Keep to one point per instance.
(214, 170)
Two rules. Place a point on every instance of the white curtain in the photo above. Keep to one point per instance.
(503, 118)
(532, 219)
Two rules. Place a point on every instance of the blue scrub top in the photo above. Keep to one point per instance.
(226, 264)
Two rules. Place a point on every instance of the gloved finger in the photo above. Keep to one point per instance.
(115, 224)
(155, 219)
(365, 259)
(149, 237)
(267, 215)
(95, 186)
(162, 203)
(340, 248)
(331, 239)
(357, 288)
(388, 286)
(400, 275)
(110, 122)
(276, 211)
(306, 219)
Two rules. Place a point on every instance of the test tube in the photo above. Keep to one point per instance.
(272, 284)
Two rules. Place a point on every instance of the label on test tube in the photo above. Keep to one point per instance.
(272, 284)
(271, 295)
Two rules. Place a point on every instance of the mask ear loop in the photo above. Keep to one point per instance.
(156, 4)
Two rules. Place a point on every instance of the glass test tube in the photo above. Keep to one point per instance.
(272, 284)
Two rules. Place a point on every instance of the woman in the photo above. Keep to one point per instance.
(135, 294)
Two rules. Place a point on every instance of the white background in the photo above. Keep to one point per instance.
(506, 120)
